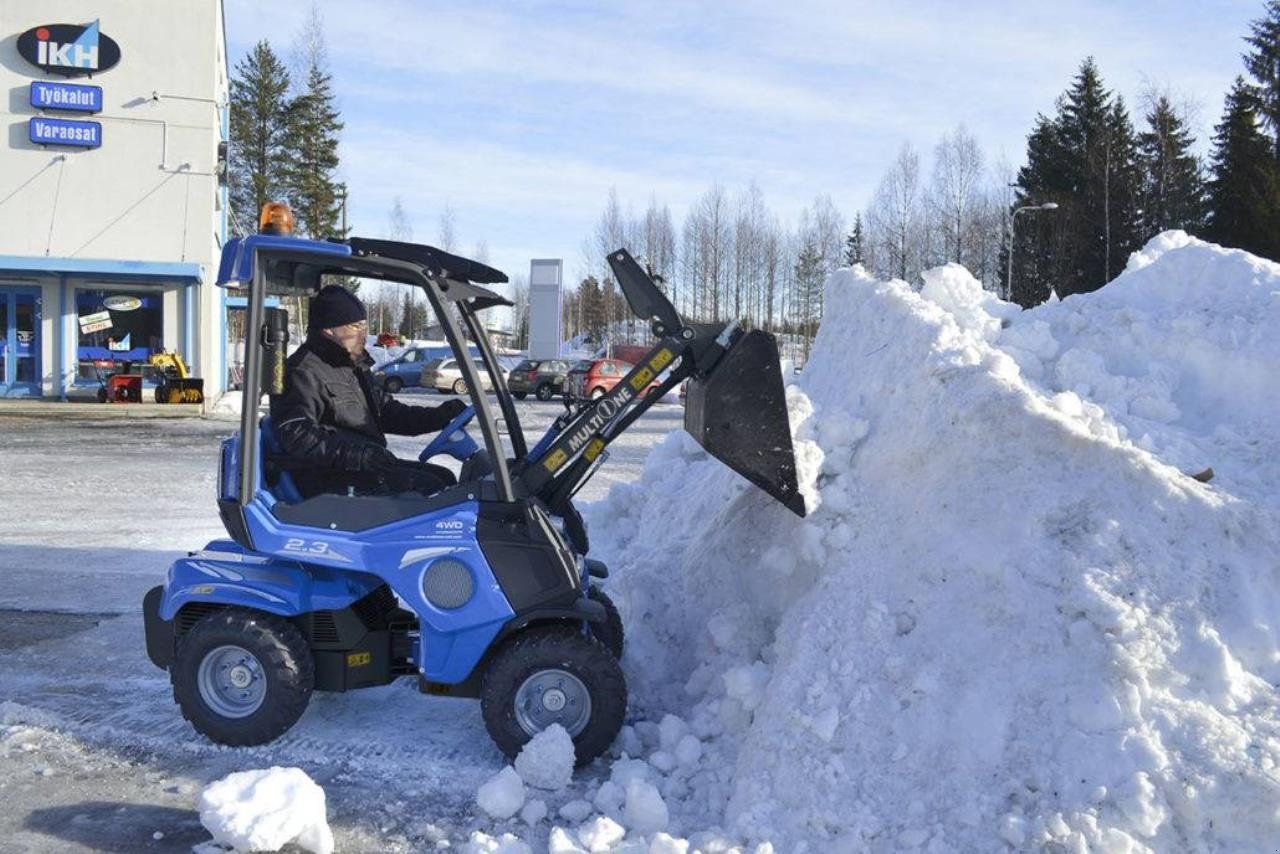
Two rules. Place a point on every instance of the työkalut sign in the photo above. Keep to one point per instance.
(72, 50)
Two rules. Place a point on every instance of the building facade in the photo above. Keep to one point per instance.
(113, 205)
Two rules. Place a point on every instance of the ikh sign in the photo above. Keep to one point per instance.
(72, 50)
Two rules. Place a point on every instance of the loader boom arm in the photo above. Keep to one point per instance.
(736, 408)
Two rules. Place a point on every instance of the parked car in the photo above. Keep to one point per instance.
(444, 375)
(592, 378)
(544, 378)
(403, 370)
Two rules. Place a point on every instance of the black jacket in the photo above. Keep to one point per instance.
(333, 418)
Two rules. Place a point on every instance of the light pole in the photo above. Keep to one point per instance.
(1047, 206)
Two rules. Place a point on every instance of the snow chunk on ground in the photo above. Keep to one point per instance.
(265, 810)
(502, 795)
(533, 812)
(601, 834)
(546, 761)
(646, 811)
(508, 843)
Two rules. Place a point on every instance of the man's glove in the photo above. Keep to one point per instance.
(451, 409)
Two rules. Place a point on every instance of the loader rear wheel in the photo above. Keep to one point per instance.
(609, 632)
(554, 674)
(242, 677)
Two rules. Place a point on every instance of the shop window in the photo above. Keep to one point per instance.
(116, 327)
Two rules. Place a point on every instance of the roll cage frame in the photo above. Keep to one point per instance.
(569, 453)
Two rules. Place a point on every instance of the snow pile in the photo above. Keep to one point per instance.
(1011, 617)
(265, 810)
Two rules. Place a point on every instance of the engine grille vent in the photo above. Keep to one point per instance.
(448, 584)
(192, 614)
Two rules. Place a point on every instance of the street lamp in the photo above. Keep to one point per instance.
(1047, 206)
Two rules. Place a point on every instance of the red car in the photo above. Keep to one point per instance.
(592, 378)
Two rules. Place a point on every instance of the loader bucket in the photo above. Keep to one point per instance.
(738, 413)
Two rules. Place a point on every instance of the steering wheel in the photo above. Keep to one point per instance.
(453, 439)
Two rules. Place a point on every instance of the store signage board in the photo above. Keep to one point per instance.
(72, 97)
(95, 322)
(43, 131)
(122, 303)
(69, 50)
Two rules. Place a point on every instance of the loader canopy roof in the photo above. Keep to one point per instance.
(298, 266)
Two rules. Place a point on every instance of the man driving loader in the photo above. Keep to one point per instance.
(332, 419)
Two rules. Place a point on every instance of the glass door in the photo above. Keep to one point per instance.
(20, 347)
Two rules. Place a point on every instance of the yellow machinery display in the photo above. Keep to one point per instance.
(174, 383)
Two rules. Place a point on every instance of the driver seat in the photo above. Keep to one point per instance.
(278, 478)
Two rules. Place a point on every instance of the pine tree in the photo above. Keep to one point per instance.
(1244, 193)
(313, 149)
(259, 133)
(1085, 160)
(1263, 62)
(1173, 191)
(854, 244)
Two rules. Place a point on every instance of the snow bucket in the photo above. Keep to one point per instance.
(738, 414)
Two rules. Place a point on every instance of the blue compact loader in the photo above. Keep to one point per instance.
(482, 590)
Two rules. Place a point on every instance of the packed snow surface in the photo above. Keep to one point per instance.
(1012, 616)
(265, 810)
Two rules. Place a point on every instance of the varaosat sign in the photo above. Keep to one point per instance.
(72, 50)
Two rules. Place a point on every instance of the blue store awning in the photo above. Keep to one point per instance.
(102, 268)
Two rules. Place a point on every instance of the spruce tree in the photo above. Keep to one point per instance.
(1040, 242)
(854, 251)
(259, 132)
(1263, 62)
(1085, 160)
(313, 156)
(1244, 193)
(1173, 190)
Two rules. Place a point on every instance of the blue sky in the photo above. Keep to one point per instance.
(520, 116)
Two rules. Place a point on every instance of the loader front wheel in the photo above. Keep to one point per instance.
(548, 675)
(242, 677)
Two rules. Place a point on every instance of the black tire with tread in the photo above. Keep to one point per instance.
(545, 392)
(562, 647)
(610, 632)
(519, 395)
(286, 661)
(459, 386)
(393, 385)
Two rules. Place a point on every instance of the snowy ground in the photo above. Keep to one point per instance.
(95, 755)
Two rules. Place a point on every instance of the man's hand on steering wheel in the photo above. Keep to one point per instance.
(453, 439)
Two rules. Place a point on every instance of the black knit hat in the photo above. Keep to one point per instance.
(334, 306)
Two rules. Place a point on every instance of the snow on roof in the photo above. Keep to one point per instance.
(1012, 616)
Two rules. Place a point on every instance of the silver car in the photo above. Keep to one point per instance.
(445, 376)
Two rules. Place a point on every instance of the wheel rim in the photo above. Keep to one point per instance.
(552, 696)
(459, 387)
(544, 392)
(231, 682)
